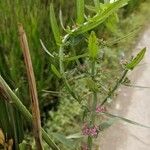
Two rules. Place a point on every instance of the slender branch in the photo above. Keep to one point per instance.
(137, 86)
(61, 66)
(115, 87)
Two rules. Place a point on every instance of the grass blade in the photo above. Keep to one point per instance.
(80, 11)
(54, 25)
(55, 71)
(14, 100)
(127, 120)
(45, 49)
(96, 3)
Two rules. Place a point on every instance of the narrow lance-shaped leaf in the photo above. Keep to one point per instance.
(55, 71)
(90, 8)
(130, 34)
(91, 84)
(112, 24)
(45, 49)
(75, 136)
(136, 60)
(100, 18)
(93, 46)
(106, 124)
(61, 19)
(96, 3)
(68, 143)
(126, 120)
(80, 11)
(54, 25)
(75, 57)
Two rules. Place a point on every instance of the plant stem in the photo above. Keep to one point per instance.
(92, 121)
(93, 72)
(61, 66)
(115, 87)
(90, 142)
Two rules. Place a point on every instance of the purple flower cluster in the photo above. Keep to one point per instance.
(90, 131)
(100, 109)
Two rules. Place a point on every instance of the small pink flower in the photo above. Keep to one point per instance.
(90, 131)
(100, 109)
(94, 131)
(86, 129)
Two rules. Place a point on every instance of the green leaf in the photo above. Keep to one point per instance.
(85, 112)
(90, 8)
(136, 60)
(93, 46)
(24, 145)
(68, 143)
(130, 34)
(55, 71)
(45, 49)
(100, 17)
(112, 24)
(126, 120)
(80, 11)
(91, 84)
(61, 20)
(54, 25)
(96, 3)
(75, 57)
(108, 123)
(75, 136)
(73, 41)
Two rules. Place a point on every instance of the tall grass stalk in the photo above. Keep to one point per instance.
(32, 88)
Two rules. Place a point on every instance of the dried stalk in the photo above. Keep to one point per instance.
(32, 88)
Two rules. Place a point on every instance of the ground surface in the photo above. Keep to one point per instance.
(134, 104)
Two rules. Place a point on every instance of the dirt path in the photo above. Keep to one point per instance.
(134, 104)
